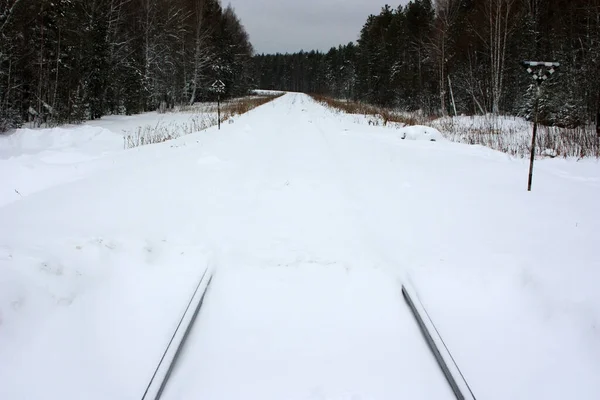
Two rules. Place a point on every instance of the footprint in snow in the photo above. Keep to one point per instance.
(51, 268)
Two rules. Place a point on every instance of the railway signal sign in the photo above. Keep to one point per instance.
(540, 71)
(219, 87)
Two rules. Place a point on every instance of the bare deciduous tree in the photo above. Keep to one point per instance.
(499, 28)
(446, 13)
(202, 54)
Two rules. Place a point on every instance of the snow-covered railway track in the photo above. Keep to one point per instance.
(273, 316)
(290, 314)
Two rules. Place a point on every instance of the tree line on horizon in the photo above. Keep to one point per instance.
(458, 57)
(67, 61)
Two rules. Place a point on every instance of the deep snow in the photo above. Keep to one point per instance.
(311, 222)
(35, 159)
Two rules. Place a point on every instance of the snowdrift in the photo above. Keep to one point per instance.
(83, 139)
(420, 132)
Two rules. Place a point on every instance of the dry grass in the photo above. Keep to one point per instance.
(379, 115)
(510, 135)
(515, 138)
(162, 132)
(230, 106)
(205, 118)
(242, 106)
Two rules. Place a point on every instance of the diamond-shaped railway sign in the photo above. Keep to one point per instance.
(540, 71)
(218, 86)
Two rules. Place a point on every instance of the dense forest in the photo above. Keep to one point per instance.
(459, 56)
(72, 60)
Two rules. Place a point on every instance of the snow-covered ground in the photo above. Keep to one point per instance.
(311, 222)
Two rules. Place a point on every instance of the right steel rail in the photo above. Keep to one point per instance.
(442, 355)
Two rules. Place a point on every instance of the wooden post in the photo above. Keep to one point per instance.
(598, 117)
(219, 110)
(535, 123)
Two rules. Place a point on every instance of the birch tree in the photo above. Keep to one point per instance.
(446, 13)
(499, 27)
(202, 54)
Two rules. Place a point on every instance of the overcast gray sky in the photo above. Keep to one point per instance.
(294, 25)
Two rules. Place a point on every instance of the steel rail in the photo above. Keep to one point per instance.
(438, 347)
(158, 382)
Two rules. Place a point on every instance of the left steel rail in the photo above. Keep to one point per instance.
(165, 366)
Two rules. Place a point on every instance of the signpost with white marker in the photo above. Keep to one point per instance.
(219, 87)
(540, 71)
